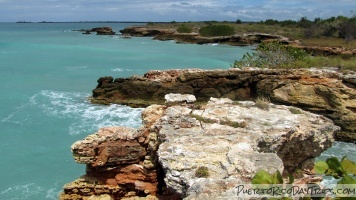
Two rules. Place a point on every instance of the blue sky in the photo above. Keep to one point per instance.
(171, 10)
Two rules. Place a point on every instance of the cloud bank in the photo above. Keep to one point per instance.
(171, 10)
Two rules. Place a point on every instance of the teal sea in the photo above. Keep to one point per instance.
(47, 72)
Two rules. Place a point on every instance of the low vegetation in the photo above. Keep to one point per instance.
(202, 172)
(183, 28)
(227, 122)
(216, 30)
(344, 171)
(341, 28)
(277, 55)
(262, 103)
(337, 31)
(295, 110)
(271, 55)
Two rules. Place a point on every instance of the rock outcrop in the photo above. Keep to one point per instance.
(325, 92)
(99, 31)
(195, 38)
(233, 40)
(232, 140)
(120, 161)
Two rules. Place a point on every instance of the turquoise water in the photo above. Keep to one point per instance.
(48, 71)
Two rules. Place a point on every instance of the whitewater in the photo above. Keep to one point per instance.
(47, 74)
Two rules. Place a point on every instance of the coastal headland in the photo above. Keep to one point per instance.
(217, 126)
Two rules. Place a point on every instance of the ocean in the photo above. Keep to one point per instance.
(47, 73)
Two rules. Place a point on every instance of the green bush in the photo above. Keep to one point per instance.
(202, 172)
(184, 29)
(344, 171)
(271, 55)
(216, 30)
(295, 110)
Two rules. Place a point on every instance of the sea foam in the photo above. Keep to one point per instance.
(84, 117)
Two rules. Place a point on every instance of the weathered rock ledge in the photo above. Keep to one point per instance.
(233, 140)
(325, 92)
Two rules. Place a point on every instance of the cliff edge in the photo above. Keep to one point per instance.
(324, 92)
(231, 140)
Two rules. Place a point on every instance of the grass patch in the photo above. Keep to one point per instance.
(329, 42)
(202, 172)
(242, 124)
(202, 119)
(183, 28)
(234, 124)
(295, 110)
(262, 103)
(216, 30)
(342, 61)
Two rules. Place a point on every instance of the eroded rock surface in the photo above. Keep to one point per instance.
(118, 163)
(325, 92)
(233, 140)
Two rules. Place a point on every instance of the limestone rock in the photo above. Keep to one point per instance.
(114, 165)
(321, 91)
(111, 145)
(179, 98)
(234, 142)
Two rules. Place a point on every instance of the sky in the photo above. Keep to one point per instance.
(171, 10)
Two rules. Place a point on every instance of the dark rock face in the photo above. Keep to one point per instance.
(103, 31)
(328, 93)
(99, 31)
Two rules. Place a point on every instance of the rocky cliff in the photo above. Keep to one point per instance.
(329, 93)
(230, 140)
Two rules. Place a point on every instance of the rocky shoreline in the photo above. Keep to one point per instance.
(234, 40)
(232, 140)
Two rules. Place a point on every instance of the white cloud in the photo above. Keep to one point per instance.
(167, 10)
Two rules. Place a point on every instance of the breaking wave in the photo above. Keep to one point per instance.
(74, 107)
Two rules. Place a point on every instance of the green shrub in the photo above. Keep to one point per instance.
(271, 55)
(343, 170)
(295, 110)
(184, 29)
(202, 172)
(216, 30)
(242, 124)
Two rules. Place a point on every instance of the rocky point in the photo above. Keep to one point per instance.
(232, 140)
